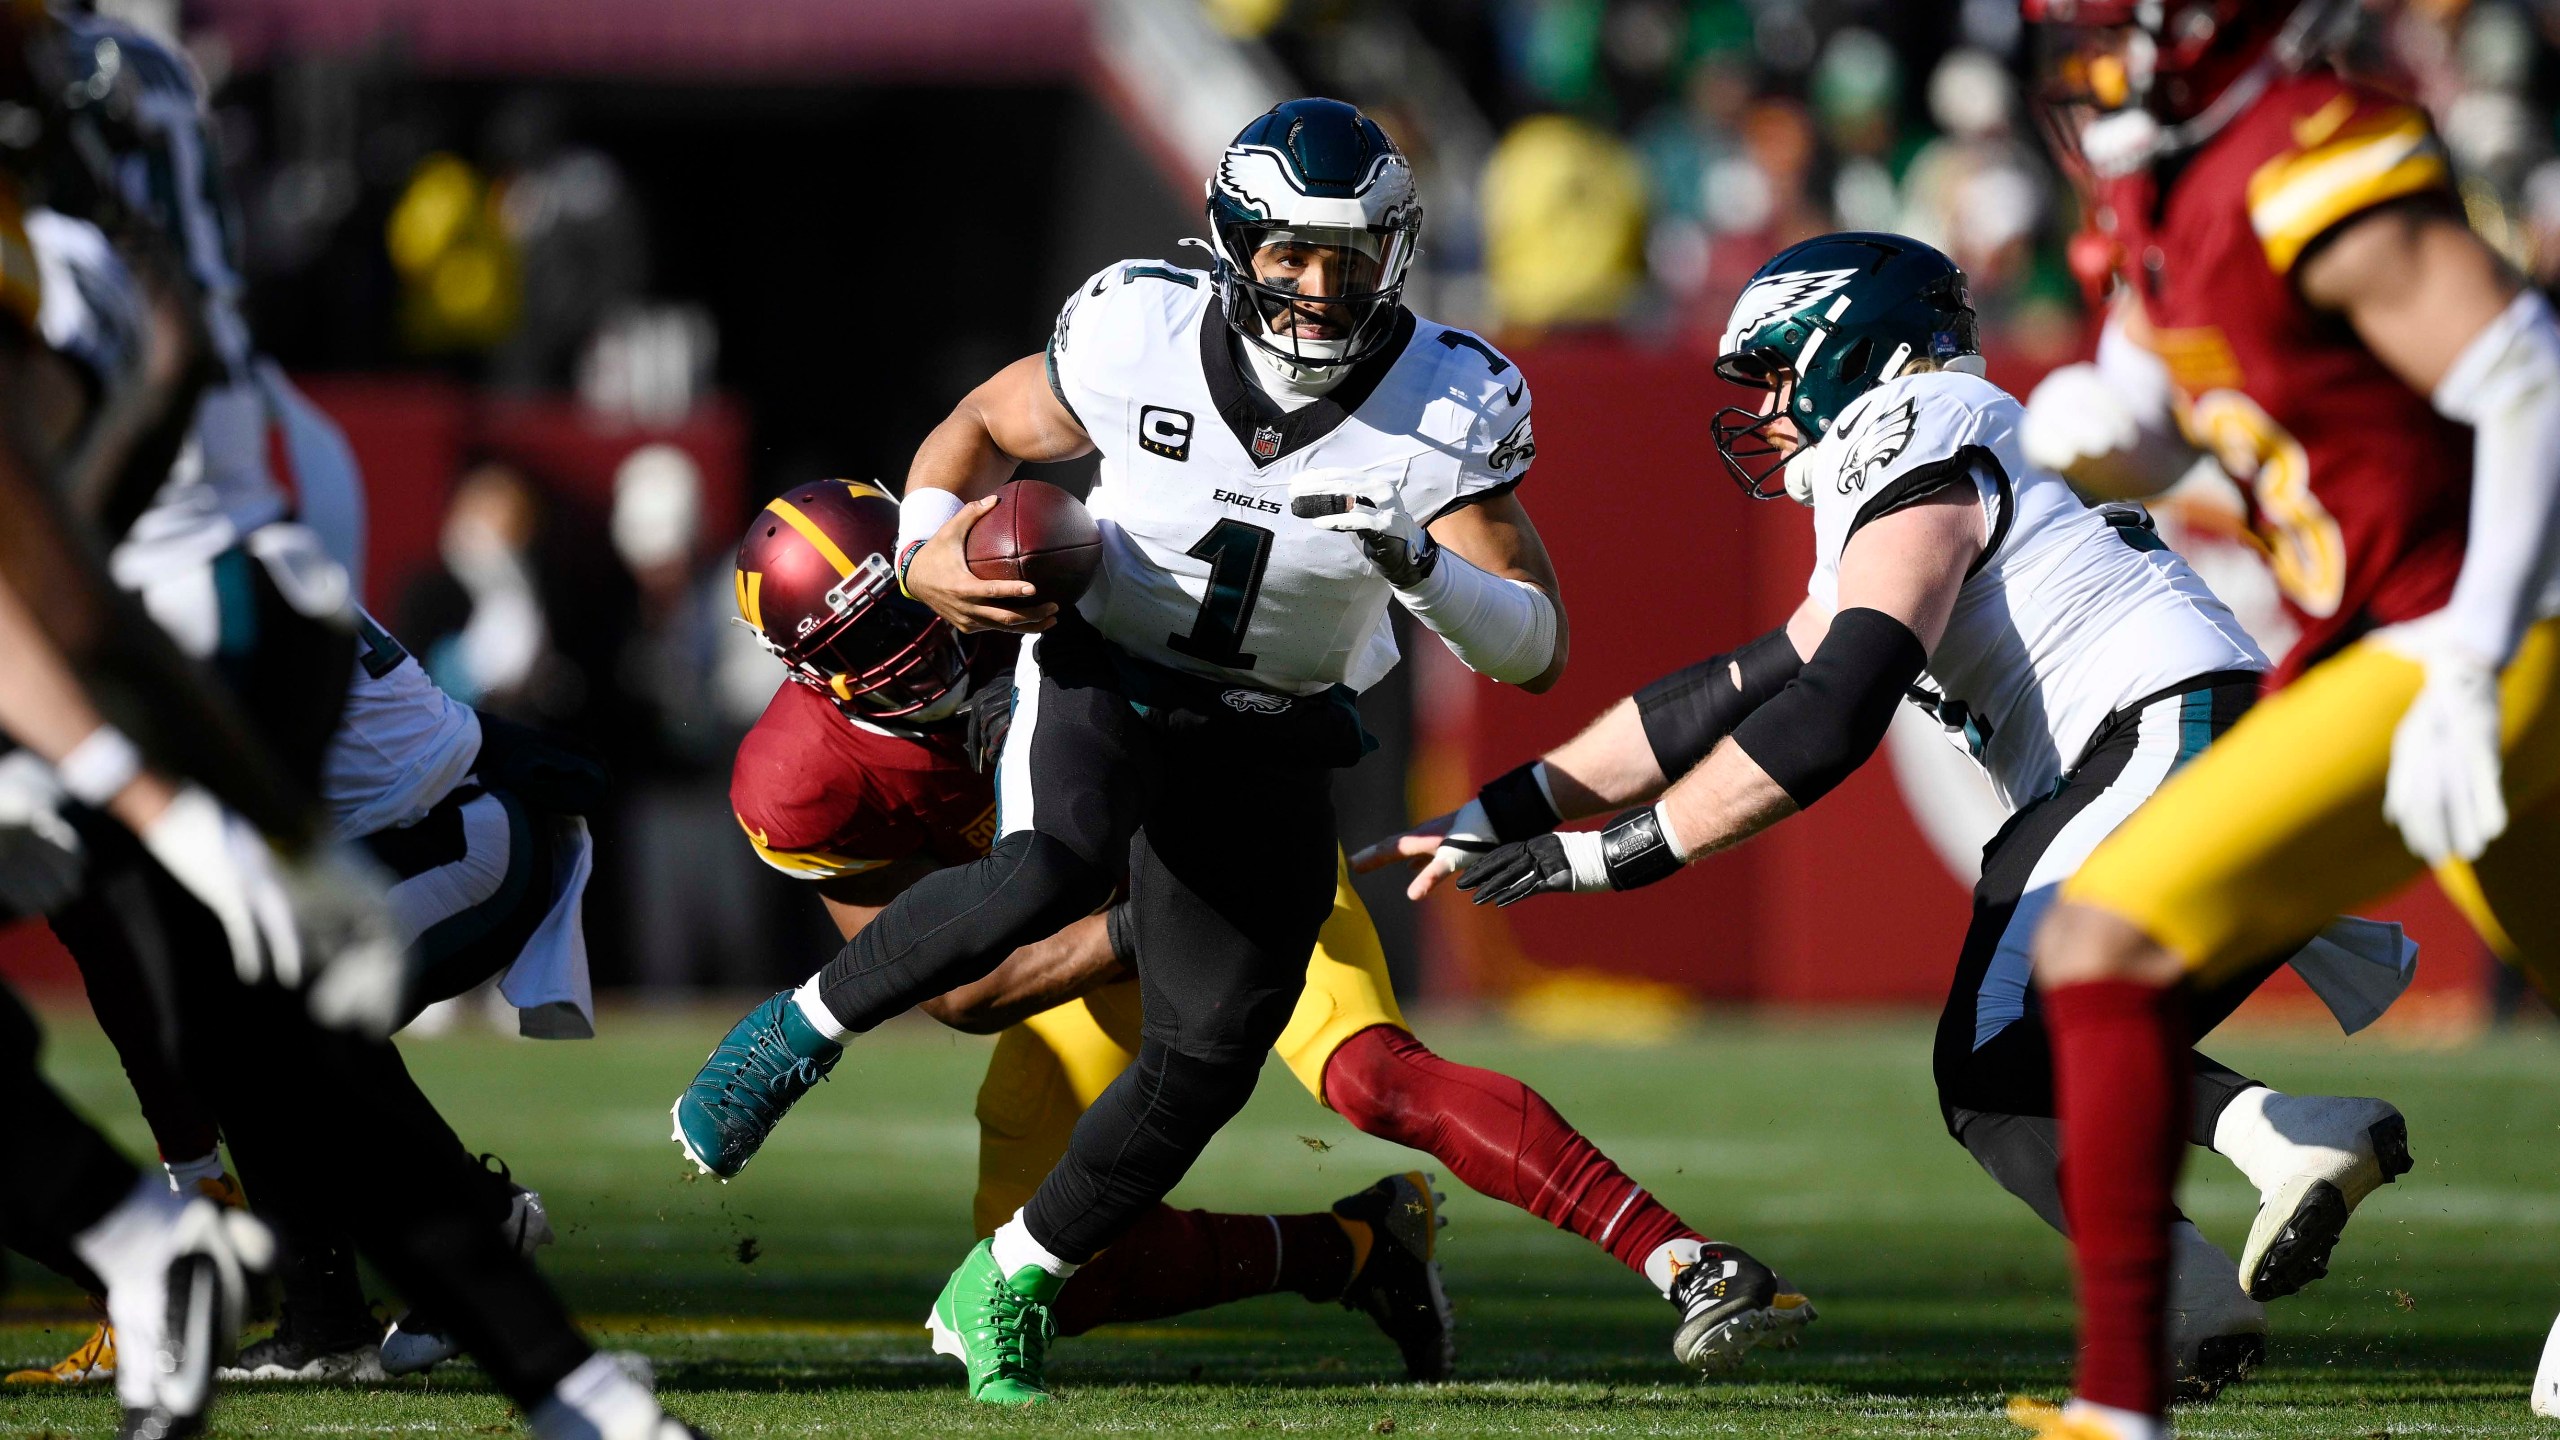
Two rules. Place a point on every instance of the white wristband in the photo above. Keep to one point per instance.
(923, 511)
(97, 769)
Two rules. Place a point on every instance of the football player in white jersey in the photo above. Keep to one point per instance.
(2065, 648)
(1285, 451)
(475, 819)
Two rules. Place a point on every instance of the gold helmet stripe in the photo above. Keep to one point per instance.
(809, 531)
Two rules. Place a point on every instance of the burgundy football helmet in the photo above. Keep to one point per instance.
(2190, 66)
(816, 584)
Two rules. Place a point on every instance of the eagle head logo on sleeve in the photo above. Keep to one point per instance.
(1877, 444)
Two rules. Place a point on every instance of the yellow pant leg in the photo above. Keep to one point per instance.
(1043, 1075)
(2279, 826)
(1347, 988)
(2512, 894)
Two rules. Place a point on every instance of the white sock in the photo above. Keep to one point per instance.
(813, 1008)
(598, 1401)
(1670, 1258)
(2125, 1424)
(129, 1249)
(186, 1175)
(2243, 1135)
(1014, 1248)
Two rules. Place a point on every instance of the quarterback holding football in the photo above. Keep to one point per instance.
(1285, 451)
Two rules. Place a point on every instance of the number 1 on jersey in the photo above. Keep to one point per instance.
(1237, 554)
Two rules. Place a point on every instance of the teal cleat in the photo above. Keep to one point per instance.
(755, 1075)
(998, 1326)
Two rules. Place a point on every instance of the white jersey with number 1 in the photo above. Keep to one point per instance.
(1204, 568)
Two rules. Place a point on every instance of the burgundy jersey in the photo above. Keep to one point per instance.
(821, 796)
(2358, 490)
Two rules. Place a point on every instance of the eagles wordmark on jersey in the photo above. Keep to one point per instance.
(1204, 568)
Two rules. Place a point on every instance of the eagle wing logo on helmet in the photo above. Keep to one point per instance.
(1233, 176)
(1877, 444)
(1771, 296)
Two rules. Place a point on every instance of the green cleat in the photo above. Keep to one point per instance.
(760, 1070)
(998, 1326)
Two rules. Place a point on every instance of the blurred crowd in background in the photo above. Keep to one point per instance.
(843, 261)
(1626, 164)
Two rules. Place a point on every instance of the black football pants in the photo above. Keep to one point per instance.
(66, 1177)
(1230, 859)
(1994, 1058)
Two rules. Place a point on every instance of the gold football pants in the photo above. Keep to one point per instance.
(2279, 826)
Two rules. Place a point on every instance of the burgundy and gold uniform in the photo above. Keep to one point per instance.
(821, 794)
(2358, 490)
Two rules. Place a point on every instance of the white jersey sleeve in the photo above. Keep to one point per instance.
(1901, 443)
(1482, 418)
(2066, 617)
(1112, 331)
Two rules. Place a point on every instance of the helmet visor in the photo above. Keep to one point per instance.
(1321, 295)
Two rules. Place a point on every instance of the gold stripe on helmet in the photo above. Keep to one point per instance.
(809, 531)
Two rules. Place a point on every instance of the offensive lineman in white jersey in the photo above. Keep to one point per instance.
(2065, 648)
(477, 827)
(1284, 450)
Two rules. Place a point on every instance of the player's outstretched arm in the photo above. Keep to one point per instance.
(1898, 582)
(1626, 755)
(2444, 313)
(1014, 417)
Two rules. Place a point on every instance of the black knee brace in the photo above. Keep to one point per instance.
(1134, 1146)
(957, 925)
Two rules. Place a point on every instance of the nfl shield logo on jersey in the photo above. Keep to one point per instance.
(1266, 441)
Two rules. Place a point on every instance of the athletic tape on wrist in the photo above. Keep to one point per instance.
(1516, 803)
(99, 767)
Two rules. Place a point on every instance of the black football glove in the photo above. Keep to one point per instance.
(1632, 851)
(1512, 873)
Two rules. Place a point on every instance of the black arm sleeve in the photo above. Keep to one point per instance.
(1831, 719)
(1687, 711)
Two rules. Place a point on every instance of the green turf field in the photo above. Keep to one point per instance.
(789, 1303)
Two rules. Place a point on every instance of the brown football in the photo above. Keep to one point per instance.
(1040, 533)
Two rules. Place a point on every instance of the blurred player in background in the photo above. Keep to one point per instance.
(305, 925)
(873, 771)
(2077, 660)
(2293, 252)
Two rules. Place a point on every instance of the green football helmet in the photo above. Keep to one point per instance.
(1837, 315)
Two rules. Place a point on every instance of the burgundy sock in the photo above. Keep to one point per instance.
(1497, 1135)
(2120, 1084)
(1176, 1261)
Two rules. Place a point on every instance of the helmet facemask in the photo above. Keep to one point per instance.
(1314, 296)
(881, 653)
(1742, 435)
